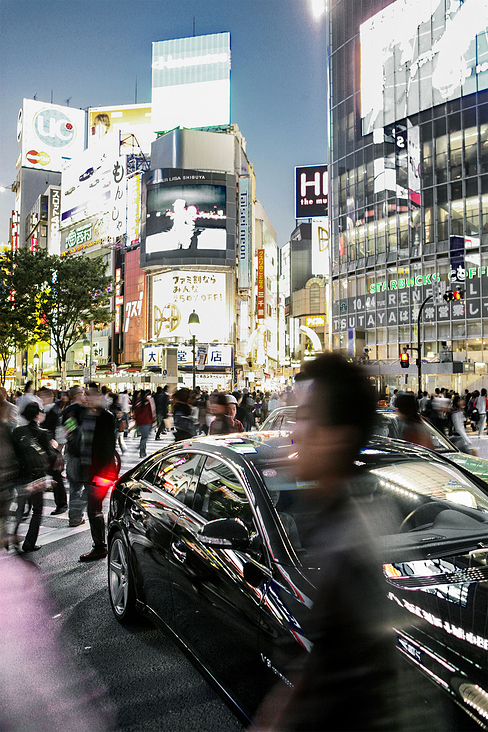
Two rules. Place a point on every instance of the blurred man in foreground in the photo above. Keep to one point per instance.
(348, 681)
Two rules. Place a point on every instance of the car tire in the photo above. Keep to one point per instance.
(121, 586)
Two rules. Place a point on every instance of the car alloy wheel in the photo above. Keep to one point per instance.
(120, 583)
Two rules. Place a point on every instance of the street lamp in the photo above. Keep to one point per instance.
(194, 327)
(36, 367)
(86, 350)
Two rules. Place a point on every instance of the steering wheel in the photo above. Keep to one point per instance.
(421, 517)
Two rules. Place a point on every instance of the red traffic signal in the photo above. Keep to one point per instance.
(404, 360)
(456, 295)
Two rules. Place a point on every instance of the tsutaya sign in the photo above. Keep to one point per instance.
(419, 280)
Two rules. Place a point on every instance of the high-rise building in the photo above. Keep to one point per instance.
(409, 185)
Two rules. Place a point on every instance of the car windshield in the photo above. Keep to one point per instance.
(413, 501)
(387, 425)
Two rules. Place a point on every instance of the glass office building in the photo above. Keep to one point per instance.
(408, 166)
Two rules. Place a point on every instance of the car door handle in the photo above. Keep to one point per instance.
(179, 552)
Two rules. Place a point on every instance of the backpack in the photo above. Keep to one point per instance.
(33, 458)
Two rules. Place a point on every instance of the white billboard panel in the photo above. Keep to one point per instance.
(49, 135)
(416, 54)
(177, 293)
(320, 246)
(122, 121)
(191, 82)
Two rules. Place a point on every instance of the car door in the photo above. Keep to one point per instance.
(217, 611)
(156, 502)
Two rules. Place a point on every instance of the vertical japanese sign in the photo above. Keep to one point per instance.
(134, 210)
(117, 222)
(261, 310)
(118, 301)
(244, 261)
(54, 221)
(14, 233)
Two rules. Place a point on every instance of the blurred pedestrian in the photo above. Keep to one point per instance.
(8, 476)
(125, 404)
(144, 415)
(221, 424)
(183, 422)
(71, 419)
(481, 403)
(9, 414)
(56, 466)
(231, 413)
(161, 403)
(32, 448)
(274, 402)
(24, 399)
(457, 416)
(347, 680)
(100, 466)
(412, 429)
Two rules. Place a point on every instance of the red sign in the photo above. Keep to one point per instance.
(134, 307)
(261, 309)
(119, 300)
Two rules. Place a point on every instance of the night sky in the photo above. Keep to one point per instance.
(92, 52)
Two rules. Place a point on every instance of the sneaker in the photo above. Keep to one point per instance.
(99, 553)
(61, 509)
(77, 523)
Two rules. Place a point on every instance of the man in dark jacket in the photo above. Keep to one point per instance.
(72, 418)
(98, 466)
(161, 402)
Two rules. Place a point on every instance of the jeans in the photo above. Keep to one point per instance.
(78, 495)
(481, 423)
(95, 516)
(37, 502)
(161, 425)
(144, 430)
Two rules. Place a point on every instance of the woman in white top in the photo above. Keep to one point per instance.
(481, 407)
(457, 416)
(274, 402)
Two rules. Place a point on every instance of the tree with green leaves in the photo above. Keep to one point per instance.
(75, 291)
(20, 316)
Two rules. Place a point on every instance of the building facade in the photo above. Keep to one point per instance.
(409, 186)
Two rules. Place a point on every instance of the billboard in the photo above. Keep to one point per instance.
(134, 321)
(94, 185)
(134, 190)
(311, 191)
(261, 299)
(177, 293)
(49, 135)
(191, 82)
(320, 246)
(185, 216)
(120, 121)
(417, 54)
(244, 258)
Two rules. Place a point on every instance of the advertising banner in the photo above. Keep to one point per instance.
(134, 190)
(134, 306)
(49, 135)
(177, 293)
(94, 185)
(215, 357)
(191, 82)
(119, 122)
(417, 54)
(311, 191)
(261, 303)
(320, 246)
(54, 245)
(244, 258)
(185, 215)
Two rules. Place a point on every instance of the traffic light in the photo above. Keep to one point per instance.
(456, 295)
(404, 360)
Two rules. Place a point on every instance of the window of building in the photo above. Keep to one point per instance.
(484, 203)
(483, 127)
(441, 156)
(442, 213)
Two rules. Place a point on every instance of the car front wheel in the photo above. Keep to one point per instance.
(120, 581)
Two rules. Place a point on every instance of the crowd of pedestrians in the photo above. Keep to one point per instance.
(70, 443)
(452, 413)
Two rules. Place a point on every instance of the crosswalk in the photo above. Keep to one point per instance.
(55, 528)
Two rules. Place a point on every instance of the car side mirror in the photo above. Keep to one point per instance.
(225, 533)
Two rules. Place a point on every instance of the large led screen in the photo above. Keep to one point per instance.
(416, 54)
(122, 121)
(185, 214)
(191, 82)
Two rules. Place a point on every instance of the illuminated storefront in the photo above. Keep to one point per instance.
(409, 182)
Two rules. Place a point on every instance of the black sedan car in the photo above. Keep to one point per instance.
(388, 425)
(206, 538)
